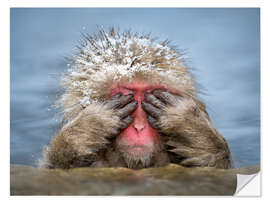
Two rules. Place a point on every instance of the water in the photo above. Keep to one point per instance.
(223, 47)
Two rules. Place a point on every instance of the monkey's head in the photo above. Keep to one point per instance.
(126, 63)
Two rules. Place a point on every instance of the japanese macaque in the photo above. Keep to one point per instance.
(130, 101)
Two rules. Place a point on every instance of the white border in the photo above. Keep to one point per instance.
(5, 95)
(135, 3)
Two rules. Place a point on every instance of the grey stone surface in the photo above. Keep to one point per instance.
(169, 180)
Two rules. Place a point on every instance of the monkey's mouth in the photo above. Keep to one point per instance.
(137, 151)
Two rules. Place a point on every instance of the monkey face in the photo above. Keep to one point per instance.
(139, 141)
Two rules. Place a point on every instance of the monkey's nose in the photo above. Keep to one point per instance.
(140, 121)
(139, 127)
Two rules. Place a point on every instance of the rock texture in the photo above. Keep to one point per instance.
(169, 180)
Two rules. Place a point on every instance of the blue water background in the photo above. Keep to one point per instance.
(222, 46)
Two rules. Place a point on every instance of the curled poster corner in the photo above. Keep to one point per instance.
(248, 185)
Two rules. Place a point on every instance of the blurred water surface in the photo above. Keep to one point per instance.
(223, 47)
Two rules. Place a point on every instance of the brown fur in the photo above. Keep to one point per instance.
(80, 139)
(188, 135)
(195, 135)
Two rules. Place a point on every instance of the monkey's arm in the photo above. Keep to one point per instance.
(80, 139)
(189, 130)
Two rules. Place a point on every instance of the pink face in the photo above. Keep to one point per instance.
(139, 138)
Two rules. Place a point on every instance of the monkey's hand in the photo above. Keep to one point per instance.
(188, 129)
(80, 140)
(155, 105)
(192, 156)
(98, 122)
(122, 106)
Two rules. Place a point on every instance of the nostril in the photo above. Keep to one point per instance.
(139, 127)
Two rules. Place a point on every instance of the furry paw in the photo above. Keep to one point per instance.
(122, 106)
(155, 104)
(194, 157)
(198, 157)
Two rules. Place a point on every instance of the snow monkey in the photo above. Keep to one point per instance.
(130, 101)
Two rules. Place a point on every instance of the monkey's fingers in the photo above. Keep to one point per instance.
(151, 110)
(116, 96)
(125, 99)
(153, 122)
(118, 101)
(187, 152)
(150, 98)
(126, 110)
(125, 122)
(166, 97)
(204, 160)
(113, 102)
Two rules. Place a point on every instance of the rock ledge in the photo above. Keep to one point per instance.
(170, 180)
